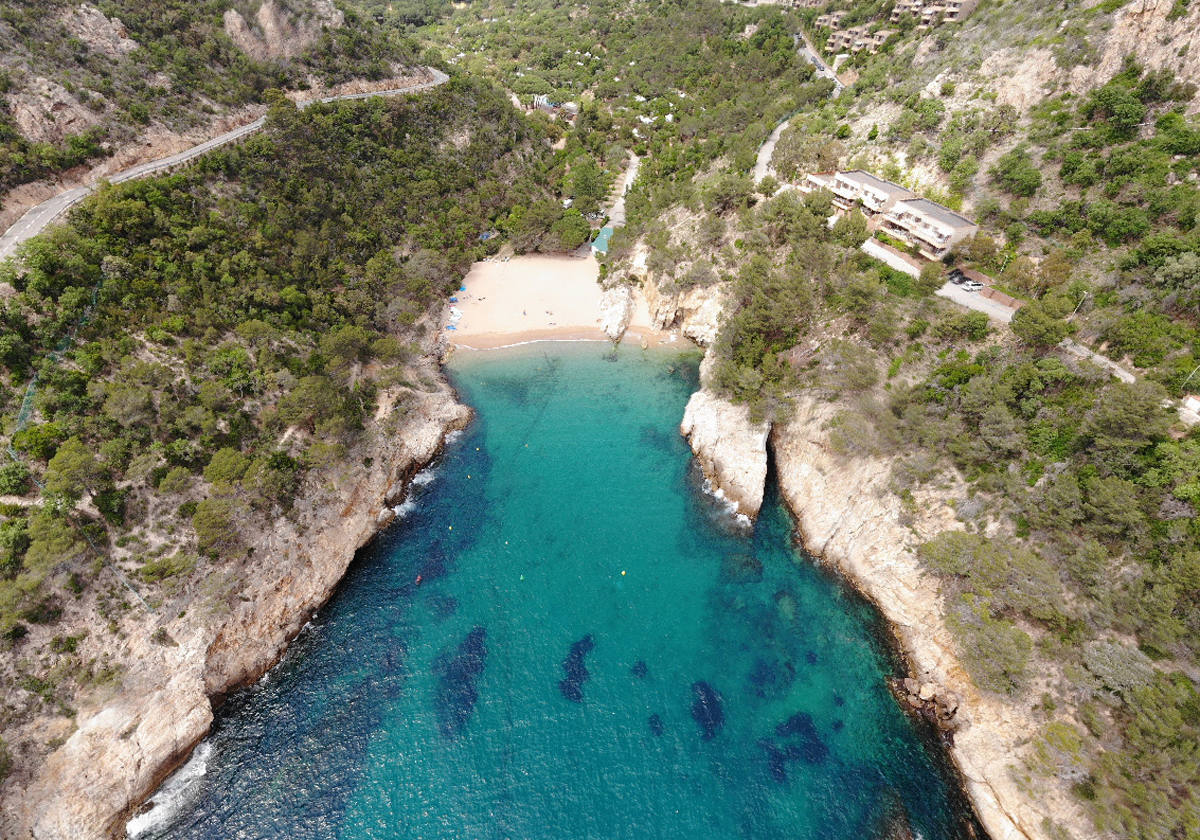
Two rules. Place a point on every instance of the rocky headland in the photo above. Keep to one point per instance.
(225, 631)
(848, 518)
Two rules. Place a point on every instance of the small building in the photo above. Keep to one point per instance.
(876, 195)
(600, 243)
(956, 10)
(830, 20)
(929, 226)
(817, 181)
(878, 38)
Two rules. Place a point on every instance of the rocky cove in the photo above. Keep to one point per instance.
(123, 749)
(125, 745)
(848, 518)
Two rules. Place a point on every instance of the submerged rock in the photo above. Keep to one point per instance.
(656, 725)
(797, 740)
(741, 568)
(639, 669)
(776, 760)
(443, 606)
(457, 675)
(707, 709)
(804, 742)
(770, 678)
(576, 671)
(435, 565)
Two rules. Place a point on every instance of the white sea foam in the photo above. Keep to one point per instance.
(175, 794)
(728, 507)
(427, 475)
(405, 508)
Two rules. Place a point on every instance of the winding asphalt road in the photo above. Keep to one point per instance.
(762, 166)
(35, 220)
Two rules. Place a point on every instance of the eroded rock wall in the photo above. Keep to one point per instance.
(730, 447)
(849, 518)
(279, 32)
(126, 744)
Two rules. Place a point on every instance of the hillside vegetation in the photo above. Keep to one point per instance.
(79, 80)
(1072, 580)
(197, 346)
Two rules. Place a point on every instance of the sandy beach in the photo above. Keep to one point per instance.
(538, 298)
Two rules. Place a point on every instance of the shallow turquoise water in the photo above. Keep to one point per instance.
(595, 650)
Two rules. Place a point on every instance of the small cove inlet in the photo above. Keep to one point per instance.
(595, 649)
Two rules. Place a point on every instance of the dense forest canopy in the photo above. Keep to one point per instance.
(202, 342)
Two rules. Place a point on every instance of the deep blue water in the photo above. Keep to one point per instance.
(595, 650)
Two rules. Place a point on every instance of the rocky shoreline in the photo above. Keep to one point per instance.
(847, 517)
(124, 746)
(844, 513)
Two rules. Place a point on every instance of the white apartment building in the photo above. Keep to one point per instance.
(932, 228)
(875, 195)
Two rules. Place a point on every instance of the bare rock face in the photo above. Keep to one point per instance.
(101, 33)
(847, 516)
(126, 744)
(119, 752)
(44, 111)
(279, 33)
(1143, 30)
(730, 447)
(696, 312)
(616, 308)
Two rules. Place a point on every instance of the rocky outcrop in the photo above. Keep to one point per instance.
(126, 745)
(46, 112)
(278, 32)
(849, 518)
(1023, 76)
(101, 33)
(696, 312)
(1146, 31)
(730, 447)
(616, 308)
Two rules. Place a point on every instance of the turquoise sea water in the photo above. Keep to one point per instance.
(595, 650)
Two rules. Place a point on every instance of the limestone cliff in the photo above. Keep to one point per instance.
(616, 308)
(849, 518)
(176, 660)
(279, 32)
(730, 447)
(696, 312)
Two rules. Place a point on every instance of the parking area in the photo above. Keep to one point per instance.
(994, 309)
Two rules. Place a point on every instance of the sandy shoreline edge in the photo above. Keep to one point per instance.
(509, 301)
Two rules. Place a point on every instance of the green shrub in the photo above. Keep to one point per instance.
(167, 567)
(14, 479)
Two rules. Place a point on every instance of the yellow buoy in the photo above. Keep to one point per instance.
(451, 527)
(622, 573)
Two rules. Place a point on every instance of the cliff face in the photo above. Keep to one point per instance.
(127, 744)
(696, 312)
(847, 516)
(730, 447)
(278, 32)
